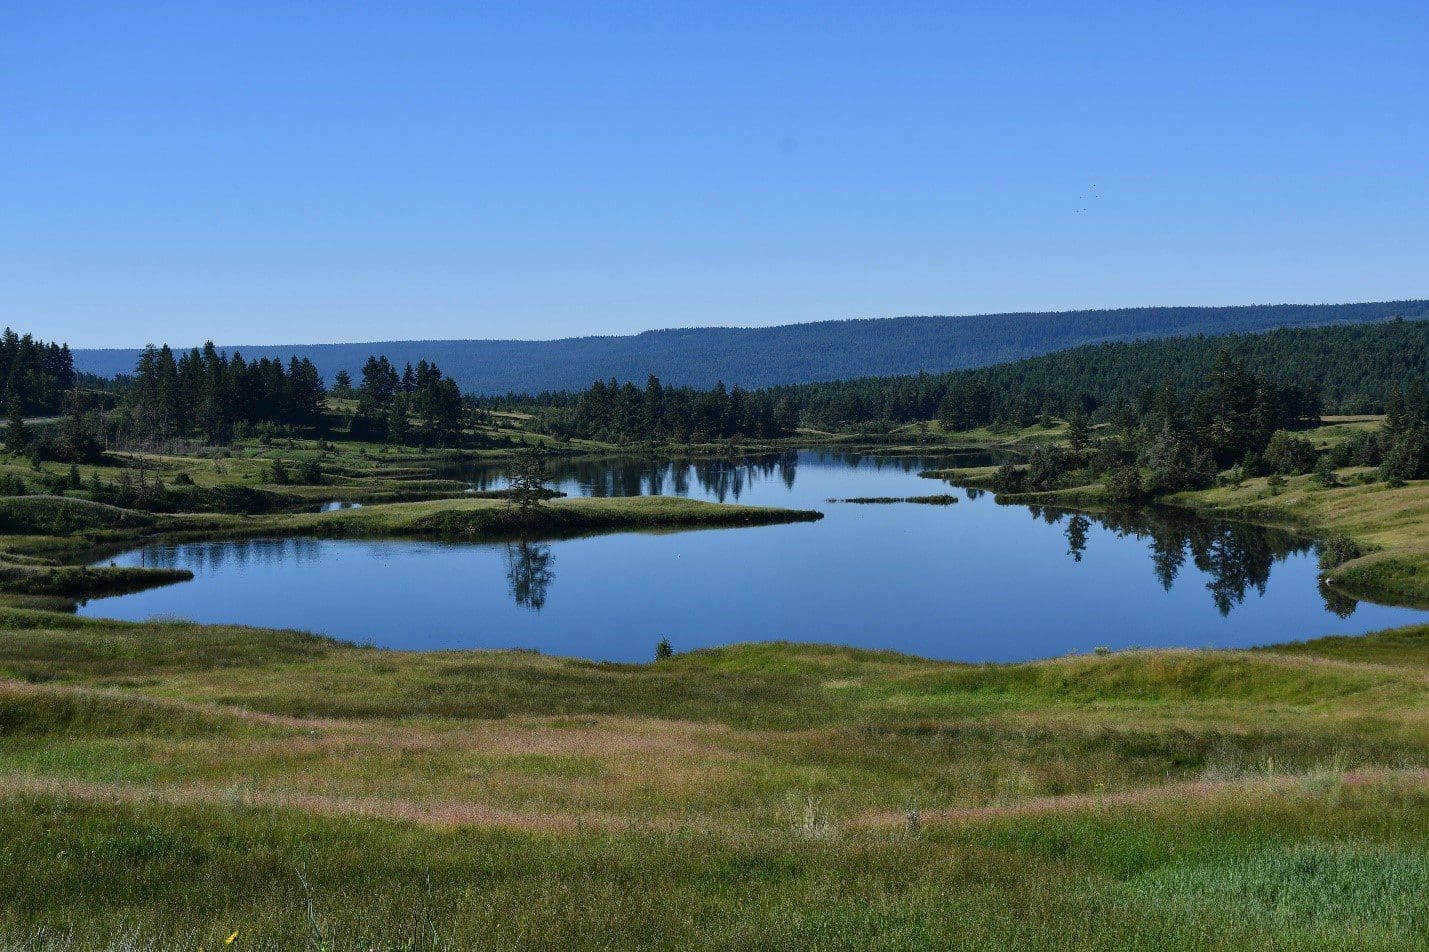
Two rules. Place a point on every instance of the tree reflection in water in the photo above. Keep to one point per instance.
(1077, 528)
(1237, 557)
(529, 573)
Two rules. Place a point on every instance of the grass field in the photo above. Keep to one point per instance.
(172, 783)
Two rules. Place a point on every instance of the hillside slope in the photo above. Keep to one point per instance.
(795, 353)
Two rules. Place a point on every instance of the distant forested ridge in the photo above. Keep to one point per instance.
(1351, 368)
(793, 353)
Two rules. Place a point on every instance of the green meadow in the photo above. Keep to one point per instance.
(163, 785)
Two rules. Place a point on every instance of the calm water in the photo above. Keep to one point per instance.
(973, 581)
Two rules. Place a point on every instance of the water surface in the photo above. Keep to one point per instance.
(973, 581)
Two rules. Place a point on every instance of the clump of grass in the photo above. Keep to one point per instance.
(1346, 891)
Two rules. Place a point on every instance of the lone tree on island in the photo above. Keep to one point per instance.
(528, 480)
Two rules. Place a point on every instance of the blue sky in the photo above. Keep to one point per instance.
(320, 171)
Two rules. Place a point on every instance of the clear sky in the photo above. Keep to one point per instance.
(321, 171)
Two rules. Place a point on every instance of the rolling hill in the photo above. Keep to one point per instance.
(795, 353)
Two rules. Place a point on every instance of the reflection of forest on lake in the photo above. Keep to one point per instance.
(1236, 557)
(721, 479)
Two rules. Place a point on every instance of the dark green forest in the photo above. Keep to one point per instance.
(1349, 368)
(792, 353)
(35, 375)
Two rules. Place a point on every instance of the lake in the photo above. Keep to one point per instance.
(973, 581)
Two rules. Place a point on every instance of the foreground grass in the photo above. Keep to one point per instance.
(1336, 865)
(173, 783)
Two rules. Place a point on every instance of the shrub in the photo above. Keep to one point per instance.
(1123, 484)
(1253, 465)
(310, 473)
(1336, 550)
(1046, 465)
(1175, 465)
(1290, 455)
(1362, 449)
(1010, 478)
(1325, 472)
(663, 649)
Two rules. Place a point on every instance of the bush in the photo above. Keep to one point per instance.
(1010, 479)
(1046, 465)
(1289, 455)
(1337, 550)
(1109, 455)
(1362, 449)
(1176, 465)
(1253, 465)
(663, 649)
(310, 473)
(1325, 473)
(307, 473)
(1123, 484)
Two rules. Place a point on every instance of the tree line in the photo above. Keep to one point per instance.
(206, 394)
(623, 413)
(1299, 373)
(387, 401)
(35, 375)
(1236, 425)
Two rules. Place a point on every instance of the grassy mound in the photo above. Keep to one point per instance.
(60, 515)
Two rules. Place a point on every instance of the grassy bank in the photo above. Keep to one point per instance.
(174, 783)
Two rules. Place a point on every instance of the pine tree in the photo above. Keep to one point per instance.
(17, 436)
(528, 480)
(1078, 431)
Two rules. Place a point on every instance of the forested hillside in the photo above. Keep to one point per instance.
(1347, 368)
(1352, 368)
(794, 353)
